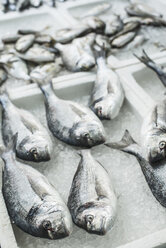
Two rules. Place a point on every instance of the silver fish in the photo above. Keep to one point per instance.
(107, 95)
(123, 39)
(97, 10)
(14, 66)
(3, 76)
(142, 10)
(68, 34)
(92, 201)
(153, 133)
(34, 143)
(10, 38)
(158, 69)
(32, 202)
(79, 126)
(113, 25)
(43, 38)
(95, 23)
(154, 175)
(35, 3)
(45, 72)
(37, 55)
(24, 43)
(78, 55)
(128, 27)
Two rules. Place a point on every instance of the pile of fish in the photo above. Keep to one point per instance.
(20, 5)
(32, 202)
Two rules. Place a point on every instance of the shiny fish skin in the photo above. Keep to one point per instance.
(10, 38)
(97, 10)
(34, 143)
(113, 25)
(78, 55)
(154, 175)
(142, 10)
(128, 27)
(123, 39)
(45, 72)
(14, 66)
(68, 34)
(107, 96)
(153, 133)
(92, 201)
(71, 122)
(32, 202)
(37, 55)
(158, 69)
(43, 38)
(24, 43)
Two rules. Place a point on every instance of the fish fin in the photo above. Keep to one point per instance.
(28, 121)
(4, 98)
(126, 144)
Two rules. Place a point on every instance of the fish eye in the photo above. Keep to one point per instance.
(99, 109)
(33, 150)
(89, 218)
(47, 224)
(86, 135)
(162, 144)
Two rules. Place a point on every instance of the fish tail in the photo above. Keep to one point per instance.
(125, 144)
(10, 148)
(148, 62)
(47, 89)
(100, 56)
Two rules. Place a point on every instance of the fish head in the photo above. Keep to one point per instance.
(156, 149)
(55, 225)
(102, 109)
(86, 63)
(33, 151)
(90, 134)
(97, 219)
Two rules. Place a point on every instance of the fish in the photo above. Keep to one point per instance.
(24, 43)
(92, 201)
(27, 31)
(107, 95)
(3, 76)
(37, 55)
(153, 133)
(142, 10)
(36, 3)
(150, 21)
(113, 25)
(45, 72)
(34, 142)
(122, 40)
(66, 35)
(128, 27)
(78, 56)
(154, 175)
(158, 69)
(102, 40)
(10, 38)
(71, 122)
(23, 4)
(95, 23)
(96, 10)
(32, 202)
(14, 66)
(43, 38)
